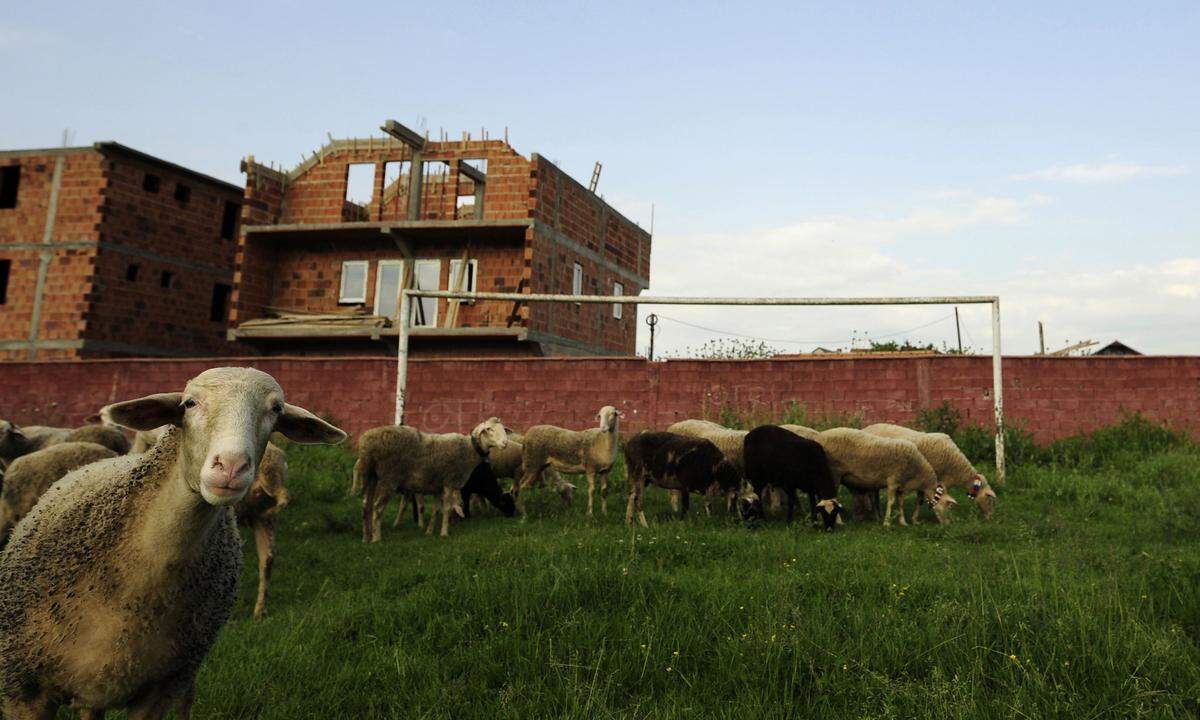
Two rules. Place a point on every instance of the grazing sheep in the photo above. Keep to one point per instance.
(592, 452)
(952, 467)
(484, 483)
(675, 462)
(781, 458)
(508, 462)
(728, 441)
(399, 458)
(17, 441)
(866, 501)
(865, 461)
(802, 430)
(115, 586)
(30, 476)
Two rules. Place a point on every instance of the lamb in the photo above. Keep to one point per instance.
(399, 458)
(508, 462)
(781, 458)
(952, 467)
(117, 583)
(257, 510)
(678, 463)
(592, 452)
(30, 476)
(864, 461)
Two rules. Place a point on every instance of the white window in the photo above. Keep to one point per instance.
(427, 276)
(577, 280)
(353, 287)
(387, 287)
(618, 289)
(468, 280)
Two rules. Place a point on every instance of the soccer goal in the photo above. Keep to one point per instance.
(997, 389)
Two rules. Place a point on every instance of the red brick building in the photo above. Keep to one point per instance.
(108, 252)
(326, 246)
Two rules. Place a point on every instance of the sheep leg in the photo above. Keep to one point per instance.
(635, 488)
(673, 497)
(591, 478)
(381, 501)
(264, 544)
(604, 493)
(368, 508)
(916, 513)
(432, 517)
(419, 510)
(685, 503)
(887, 514)
(900, 506)
(404, 500)
(641, 515)
(183, 708)
(447, 504)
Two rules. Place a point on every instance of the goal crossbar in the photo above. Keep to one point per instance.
(407, 295)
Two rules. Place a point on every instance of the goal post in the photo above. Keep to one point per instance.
(408, 294)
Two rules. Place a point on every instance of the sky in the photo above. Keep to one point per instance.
(1047, 153)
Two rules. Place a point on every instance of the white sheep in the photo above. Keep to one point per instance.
(401, 459)
(591, 452)
(31, 475)
(952, 467)
(864, 461)
(115, 586)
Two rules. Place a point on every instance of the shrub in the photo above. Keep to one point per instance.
(944, 418)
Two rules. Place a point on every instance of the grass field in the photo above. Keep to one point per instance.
(1080, 599)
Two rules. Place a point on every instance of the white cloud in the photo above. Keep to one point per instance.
(1101, 172)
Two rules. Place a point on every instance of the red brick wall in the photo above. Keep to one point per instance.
(319, 194)
(1052, 397)
(564, 206)
(161, 234)
(69, 275)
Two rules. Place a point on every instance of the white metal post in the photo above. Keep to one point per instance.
(998, 391)
(402, 356)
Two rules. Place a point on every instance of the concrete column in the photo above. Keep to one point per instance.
(46, 256)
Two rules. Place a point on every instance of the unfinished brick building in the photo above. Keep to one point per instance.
(108, 252)
(326, 247)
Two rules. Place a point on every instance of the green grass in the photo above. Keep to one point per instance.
(1080, 599)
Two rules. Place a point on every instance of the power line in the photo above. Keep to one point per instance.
(798, 342)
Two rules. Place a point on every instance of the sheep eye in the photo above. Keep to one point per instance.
(189, 404)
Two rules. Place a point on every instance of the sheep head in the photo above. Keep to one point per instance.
(830, 511)
(11, 438)
(985, 500)
(490, 435)
(942, 503)
(225, 416)
(608, 417)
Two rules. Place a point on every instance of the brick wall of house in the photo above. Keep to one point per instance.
(563, 207)
(252, 274)
(160, 262)
(76, 230)
(1052, 397)
(318, 195)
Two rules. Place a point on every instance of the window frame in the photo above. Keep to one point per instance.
(417, 302)
(379, 266)
(151, 182)
(343, 299)
(227, 295)
(618, 308)
(472, 276)
(10, 185)
(577, 280)
(5, 279)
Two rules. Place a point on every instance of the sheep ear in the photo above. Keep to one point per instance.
(299, 425)
(147, 413)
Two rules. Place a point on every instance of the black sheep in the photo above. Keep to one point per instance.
(483, 482)
(778, 457)
(675, 462)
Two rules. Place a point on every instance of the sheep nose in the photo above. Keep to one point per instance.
(229, 466)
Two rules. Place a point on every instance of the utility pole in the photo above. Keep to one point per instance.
(652, 320)
(1041, 339)
(958, 329)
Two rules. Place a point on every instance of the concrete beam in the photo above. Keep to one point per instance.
(405, 135)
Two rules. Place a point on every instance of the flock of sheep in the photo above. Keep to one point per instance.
(121, 559)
